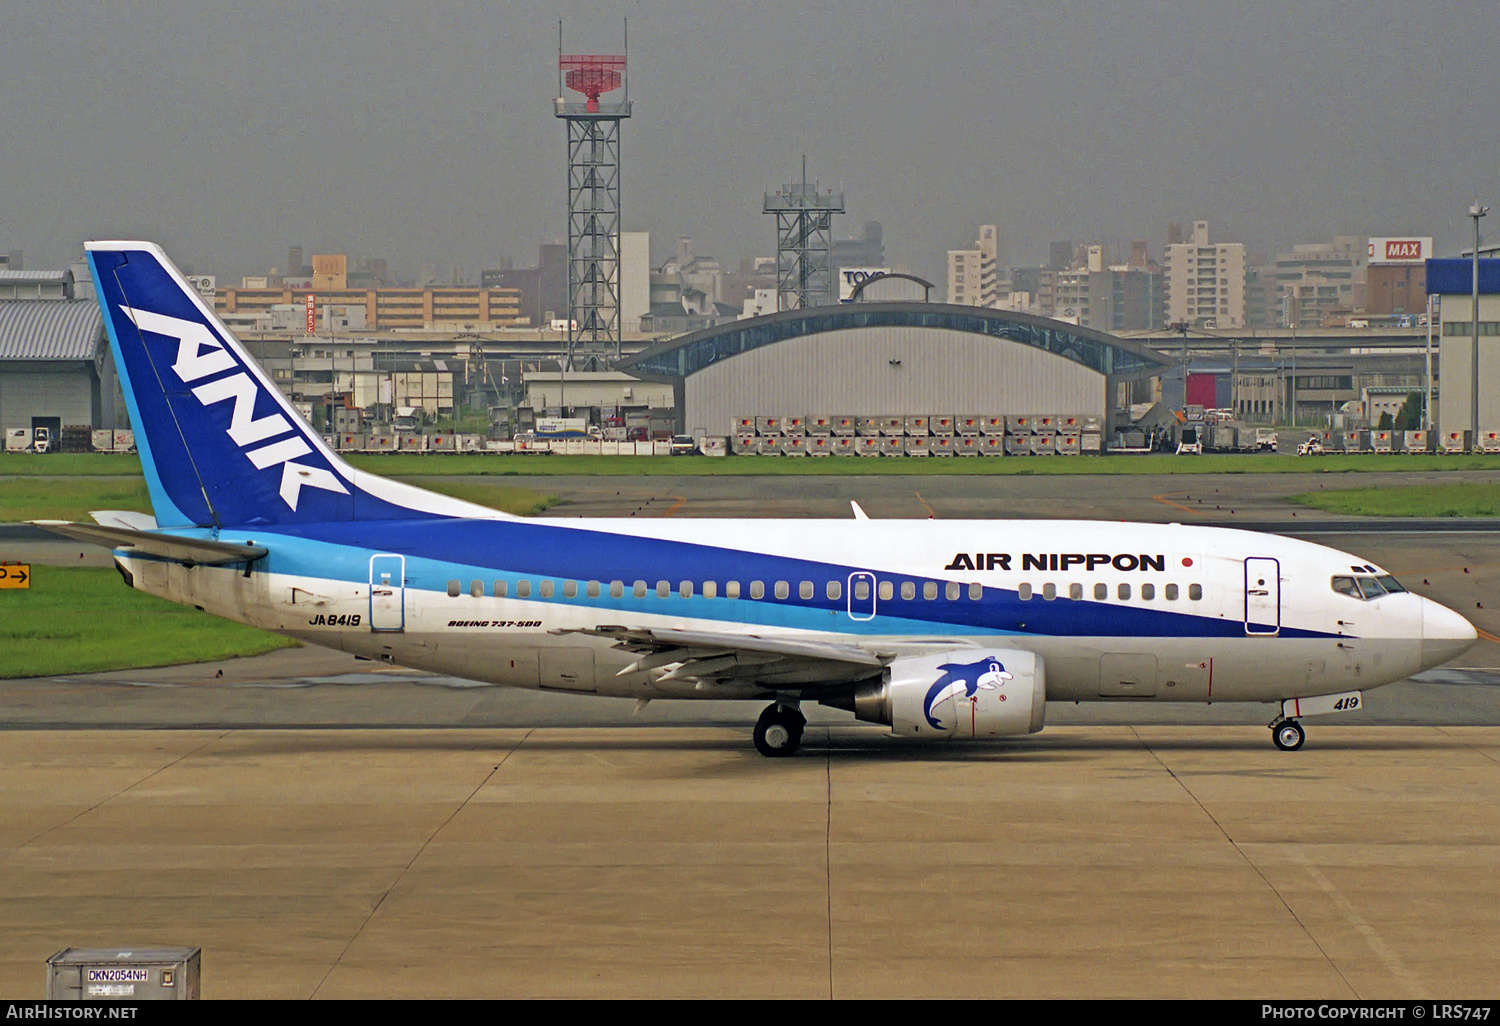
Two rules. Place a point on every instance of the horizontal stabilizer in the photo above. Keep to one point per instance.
(173, 548)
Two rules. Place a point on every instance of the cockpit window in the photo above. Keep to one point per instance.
(1367, 588)
(1346, 586)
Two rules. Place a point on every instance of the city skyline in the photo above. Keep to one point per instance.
(425, 135)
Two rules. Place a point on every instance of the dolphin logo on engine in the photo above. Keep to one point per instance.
(968, 678)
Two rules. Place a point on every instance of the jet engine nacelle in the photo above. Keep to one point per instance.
(970, 692)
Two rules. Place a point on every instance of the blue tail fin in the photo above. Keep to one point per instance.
(219, 443)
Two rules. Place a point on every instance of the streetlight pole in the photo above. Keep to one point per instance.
(1476, 212)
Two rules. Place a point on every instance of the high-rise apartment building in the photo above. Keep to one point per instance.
(1205, 281)
(1320, 279)
(973, 274)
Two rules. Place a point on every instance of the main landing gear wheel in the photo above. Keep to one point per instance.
(1288, 735)
(779, 731)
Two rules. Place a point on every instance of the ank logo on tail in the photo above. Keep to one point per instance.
(200, 356)
(967, 679)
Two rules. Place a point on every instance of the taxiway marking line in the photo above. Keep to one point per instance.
(930, 511)
(1162, 498)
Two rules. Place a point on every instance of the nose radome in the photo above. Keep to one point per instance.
(1445, 634)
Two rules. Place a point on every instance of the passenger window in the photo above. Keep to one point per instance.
(834, 591)
(546, 589)
(908, 590)
(1195, 592)
(616, 589)
(886, 590)
(1023, 592)
(1148, 591)
(950, 591)
(757, 590)
(1101, 592)
(639, 589)
(685, 589)
(1124, 591)
(1170, 591)
(782, 589)
(1049, 592)
(976, 591)
(862, 590)
(1075, 591)
(710, 589)
(805, 590)
(929, 590)
(732, 589)
(593, 589)
(570, 589)
(663, 589)
(476, 589)
(499, 589)
(453, 589)
(523, 589)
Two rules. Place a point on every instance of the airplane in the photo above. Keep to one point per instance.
(937, 629)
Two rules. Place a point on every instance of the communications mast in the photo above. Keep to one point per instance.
(593, 194)
(804, 242)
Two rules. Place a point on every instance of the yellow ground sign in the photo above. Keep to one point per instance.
(15, 575)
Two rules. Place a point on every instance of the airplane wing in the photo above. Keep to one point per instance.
(739, 658)
(173, 548)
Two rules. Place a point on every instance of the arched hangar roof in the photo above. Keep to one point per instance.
(1098, 350)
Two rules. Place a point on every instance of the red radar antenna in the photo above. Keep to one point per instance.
(592, 74)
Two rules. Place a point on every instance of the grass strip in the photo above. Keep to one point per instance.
(84, 620)
(1476, 499)
(71, 498)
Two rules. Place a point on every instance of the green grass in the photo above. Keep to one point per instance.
(505, 465)
(415, 465)
(83, 620)
(1446, 500)
(71, 498)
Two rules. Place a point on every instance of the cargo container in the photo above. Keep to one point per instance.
(917, 445)
(743, 426)
(819, 425)
(1018, 424)
(969, 424)
(868, 445)
(819, 445)
(1091, 443)
(1018, 445)
(1043, 445)
(992, 445)
(917, 426)
(1489, 441)
(794, 445)
(794, 425)
(1455, 441)
(893, 427)
(712, 445)
(942, 445)
(1069, 444)
(892, 445)
(992, 425)
(768, 426)
(1416, 441)
(867, 426)
(966, 445)
(844, 445)
(743, 445)
(845, 426)
(942, 425)
(1382, 441)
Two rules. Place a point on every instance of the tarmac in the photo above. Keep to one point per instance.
(322, 827)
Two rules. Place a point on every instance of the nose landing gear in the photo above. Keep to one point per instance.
(778, 732)
(1288, 735)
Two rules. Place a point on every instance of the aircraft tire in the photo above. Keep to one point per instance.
(1288, 735)
(778, 732)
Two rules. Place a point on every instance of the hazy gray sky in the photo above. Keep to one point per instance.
(424, 132)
